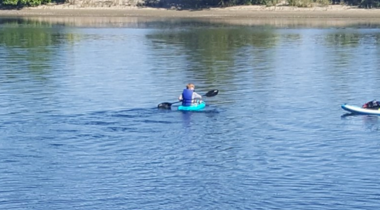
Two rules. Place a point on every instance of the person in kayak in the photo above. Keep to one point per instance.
(189, 97)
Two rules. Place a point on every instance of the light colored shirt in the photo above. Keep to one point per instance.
(196, 95)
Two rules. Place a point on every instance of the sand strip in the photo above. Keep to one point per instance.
(329, 12)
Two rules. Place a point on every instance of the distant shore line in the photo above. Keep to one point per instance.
(327, 12)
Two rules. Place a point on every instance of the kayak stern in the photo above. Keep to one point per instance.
(195, 107)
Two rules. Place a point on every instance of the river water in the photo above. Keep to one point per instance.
(79, 127)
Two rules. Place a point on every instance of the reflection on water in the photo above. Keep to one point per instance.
(369, 122)
(29, 43)
(143, 22)
(79, 126)
(212, 53)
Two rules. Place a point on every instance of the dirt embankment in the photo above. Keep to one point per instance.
(65, 10)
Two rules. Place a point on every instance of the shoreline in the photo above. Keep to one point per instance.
(241, 12)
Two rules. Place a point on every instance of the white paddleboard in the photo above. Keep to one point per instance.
(360, 110)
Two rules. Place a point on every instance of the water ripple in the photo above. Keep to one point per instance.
(79, 128)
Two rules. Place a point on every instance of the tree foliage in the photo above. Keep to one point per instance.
(22, 3)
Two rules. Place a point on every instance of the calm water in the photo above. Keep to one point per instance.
(79, 128)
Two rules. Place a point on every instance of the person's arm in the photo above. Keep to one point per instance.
(180, 97)
(196, 95)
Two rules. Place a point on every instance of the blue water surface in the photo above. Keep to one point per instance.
(79, 127)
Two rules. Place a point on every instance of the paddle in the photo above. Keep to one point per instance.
(167, 105)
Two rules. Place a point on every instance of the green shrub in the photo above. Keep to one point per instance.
(323, 2)
(22, 3)
(300, 3)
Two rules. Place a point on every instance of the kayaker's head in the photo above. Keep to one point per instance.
(190, 86)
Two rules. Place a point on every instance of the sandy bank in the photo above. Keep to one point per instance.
(329, 12)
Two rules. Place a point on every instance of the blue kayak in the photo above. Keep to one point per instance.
(195, 107)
